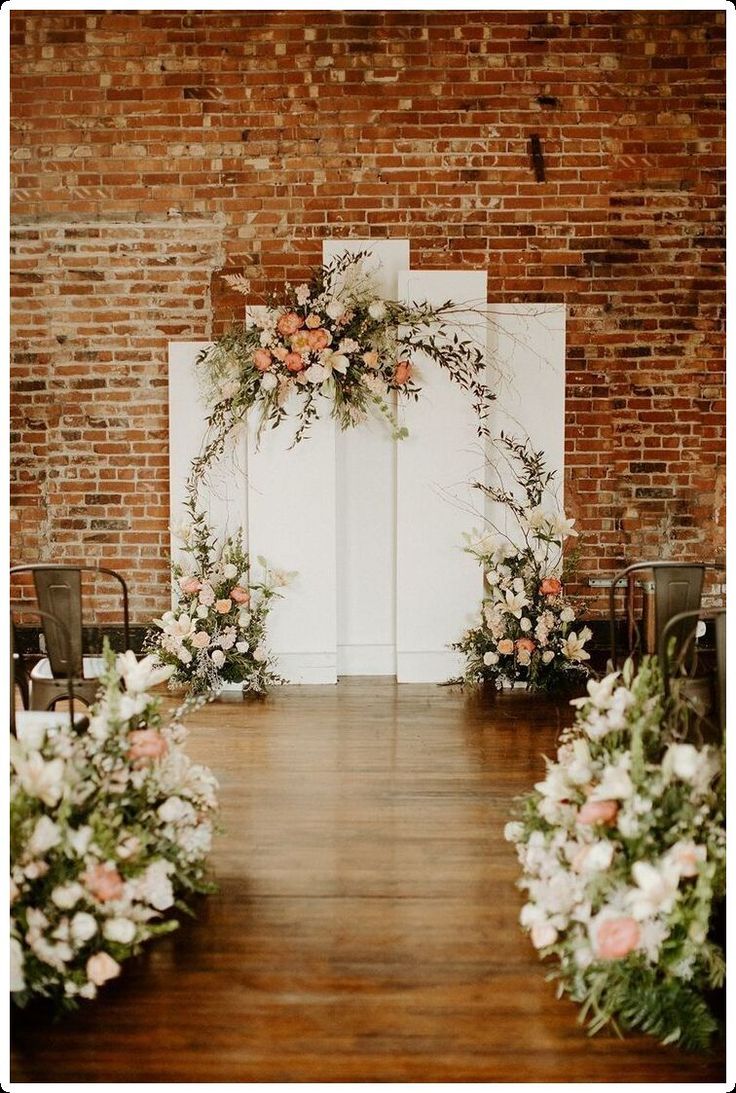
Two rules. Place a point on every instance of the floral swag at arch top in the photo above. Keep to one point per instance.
(333, 337)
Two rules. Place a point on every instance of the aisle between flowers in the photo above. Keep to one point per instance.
(109, 832)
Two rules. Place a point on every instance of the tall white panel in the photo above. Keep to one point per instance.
(222, 496)
(291, 522)
(527, 347)
(366, 508)
(439, 587)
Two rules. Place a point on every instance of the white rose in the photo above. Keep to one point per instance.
(66, 895)
(567, 614)
(260, 654)
(119, 929)
(513, 831)
(82, 927)
(172, 810)
(376, 310)
(156, 886)
(682, 760)
(525, 624)
(547, 656)
(45, 835)
(242, 646)
(80, 839)
(202, 611)
(517, 584)
(184, 655)
(490, 658)
(269, 382)
(218, 658)
(543, 934)
(334, 309)
(230, 571)
(244, 619)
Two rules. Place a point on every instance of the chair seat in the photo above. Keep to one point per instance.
(30, 723)
(93, 668)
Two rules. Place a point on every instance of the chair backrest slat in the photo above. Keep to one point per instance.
(677, 589)
(59, 593)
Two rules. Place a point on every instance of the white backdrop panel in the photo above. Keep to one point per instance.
(366, 508)
(527, 346)
(438, 586)
(223, 495)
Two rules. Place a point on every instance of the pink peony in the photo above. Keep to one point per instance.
(239, 594)
(223, 606)
(526, 644)
(598, 812)
(616, 937)
(102, 967)
(289, 323)
(188, 585)
(294, 362)
(262, 360)
(146, 744)
(505, 646)
(103, 882)
(300, 341)
(319, 339)
(402, 372)
(313, 321)
(550, 586)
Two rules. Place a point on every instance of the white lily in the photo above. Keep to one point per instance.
(599, 693)
(140, 675)
(573, 646)
(514, 603)
(656, 889)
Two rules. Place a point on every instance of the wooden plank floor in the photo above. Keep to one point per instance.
(365, 927)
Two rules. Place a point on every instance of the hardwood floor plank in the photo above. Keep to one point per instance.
(365, 926)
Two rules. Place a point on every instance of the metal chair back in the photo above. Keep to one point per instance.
(59, 594)
(678, 588)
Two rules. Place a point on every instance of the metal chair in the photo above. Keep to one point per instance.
(703, 695)
(24, 722)
(678, 587)
(59, 594)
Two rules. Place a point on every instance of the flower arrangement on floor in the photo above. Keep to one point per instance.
(109, 830)
(527, 630)
(622, 847)
(216, 633)
(333, 337)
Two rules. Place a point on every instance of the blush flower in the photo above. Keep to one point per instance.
(289, 323)
(294, 362)
(146, 744)
(101, 967)
(103, 882)
(550, 586)
(189, 585)
(525, 645)
(505, 646)
(402, 372)
(223, 606)
(262, 360)
(318, 339)
(598, 812)
(238, 594)
(617, 937)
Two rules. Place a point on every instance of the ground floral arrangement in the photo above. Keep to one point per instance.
(216, 633)
(622, 848)
(333, 337)
(527, 630)
(109, 831)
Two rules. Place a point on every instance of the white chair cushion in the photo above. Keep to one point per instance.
(93, 668)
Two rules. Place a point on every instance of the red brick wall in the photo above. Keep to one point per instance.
(153, 152)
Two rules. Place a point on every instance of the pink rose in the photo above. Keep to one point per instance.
(370, 359)
(239, 594)
(525, 643)
(223, 606)
(262, 360)
(147, 744)
(402, 372)
(102, 967)
(616, 937)
(505, 646)
(294, 362)
(318, 339)
(598, 812)
(103, 882)
(289, 323)
(188, 585)
(550, 586)
(313, 321)
(200, 640)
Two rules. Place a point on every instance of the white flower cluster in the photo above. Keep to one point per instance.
(525, 626)
(107, 826)
(623, 842)
(217, 630)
